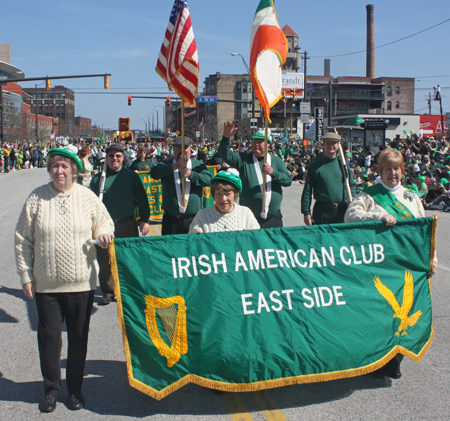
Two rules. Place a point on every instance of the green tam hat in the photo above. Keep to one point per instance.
(261, 135)
(230, 176)
(69, 154)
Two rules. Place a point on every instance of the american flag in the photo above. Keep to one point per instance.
(178, 58)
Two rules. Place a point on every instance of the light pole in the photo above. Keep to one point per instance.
(253, 90)
(157, 118)
(305, 57)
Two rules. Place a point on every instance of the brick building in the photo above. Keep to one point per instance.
(58, 103)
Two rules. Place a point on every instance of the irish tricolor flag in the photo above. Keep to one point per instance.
(268, 50)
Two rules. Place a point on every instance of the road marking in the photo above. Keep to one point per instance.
(443, 267)
(268, 406)
(236, 407)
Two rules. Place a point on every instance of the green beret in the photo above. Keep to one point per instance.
(230, 177)
(69, 154)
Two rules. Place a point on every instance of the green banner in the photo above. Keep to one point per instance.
(251, 310)
(153, 189)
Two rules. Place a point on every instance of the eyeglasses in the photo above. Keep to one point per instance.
(117, 155)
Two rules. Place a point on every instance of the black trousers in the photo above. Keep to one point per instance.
(172, 225)
(124, 229)
(73, 308)
(274, 221)
(323, 214)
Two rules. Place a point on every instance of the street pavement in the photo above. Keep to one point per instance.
(421, 394)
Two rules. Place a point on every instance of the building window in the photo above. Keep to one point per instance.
(57, 105)
(360, 104)
(389, 105)
(397, 89)
(389, 90)
(62, 105)
(46, 105)
(397, 104)
(351, 104)
(39, 96)
(40, 105)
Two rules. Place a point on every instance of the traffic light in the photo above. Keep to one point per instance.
(106, 82)
(48, 84)
(283, 96)
(293, 93)
(129, 99)
(168, 101)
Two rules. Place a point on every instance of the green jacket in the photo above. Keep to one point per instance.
(251, 195)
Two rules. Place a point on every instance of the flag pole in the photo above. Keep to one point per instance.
(266, 126)
(183, 155)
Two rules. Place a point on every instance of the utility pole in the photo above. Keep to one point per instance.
(429, 103)
(305, 57)
(330, 102)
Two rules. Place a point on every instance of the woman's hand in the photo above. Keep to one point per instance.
(433, 270)
(389, 219)
(106, 240)
(28, 290)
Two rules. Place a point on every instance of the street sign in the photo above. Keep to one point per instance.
(206, 99)
(305, 107)
(2, 78)
(197, 134)
(319, 117)
(177, 133)
(304, 118)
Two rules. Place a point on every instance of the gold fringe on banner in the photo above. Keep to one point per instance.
(249, 387)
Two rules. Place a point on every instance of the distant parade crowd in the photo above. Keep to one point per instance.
(427, 159)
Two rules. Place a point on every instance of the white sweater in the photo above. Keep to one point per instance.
(50, 244)
(211, 220)
(364, 208)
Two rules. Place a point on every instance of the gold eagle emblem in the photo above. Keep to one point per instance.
(402, 311)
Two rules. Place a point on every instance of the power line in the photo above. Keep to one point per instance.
(385, 45)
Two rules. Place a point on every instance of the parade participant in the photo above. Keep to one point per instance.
(325, 177)
(176, 218)
(85, 176)
(143, 161)
(59, 269)
(388, 201)
(123, 192)
(251, 168)
(225, 214)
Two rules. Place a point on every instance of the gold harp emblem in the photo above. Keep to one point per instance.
(174, 321)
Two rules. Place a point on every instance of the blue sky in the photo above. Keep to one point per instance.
(61, 37)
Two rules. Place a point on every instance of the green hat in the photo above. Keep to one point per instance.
(69, 154)
(230, 176)
(421, 178)
(261, 135)
(444, 182)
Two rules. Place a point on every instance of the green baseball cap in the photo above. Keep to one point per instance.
(229, 176)
(69, 154)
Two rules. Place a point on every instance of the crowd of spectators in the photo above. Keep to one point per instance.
(427, 160)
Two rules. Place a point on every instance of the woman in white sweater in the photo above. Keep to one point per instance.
(59, 269)
(387, 201)
(225, 214)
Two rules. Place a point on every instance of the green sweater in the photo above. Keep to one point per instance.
(124, 192)
(200, 177)
(326, 178)
(251, 195)
(146, 165)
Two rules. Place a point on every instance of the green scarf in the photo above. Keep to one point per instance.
(389, 202)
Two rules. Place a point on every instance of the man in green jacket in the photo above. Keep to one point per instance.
(326, 179)
(251, 167)
(124, 192)
(177, 218)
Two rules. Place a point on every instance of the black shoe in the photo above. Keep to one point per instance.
(106, 299)
(394, 374)
(48, 404)
(76, 401)
(378, 374)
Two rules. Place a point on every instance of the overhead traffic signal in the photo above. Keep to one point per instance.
(168, 101)
(48, 84)
(106, 82)
(129, 99)
(293, 93)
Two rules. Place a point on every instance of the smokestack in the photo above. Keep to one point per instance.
(326, 67)
(370, 53)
